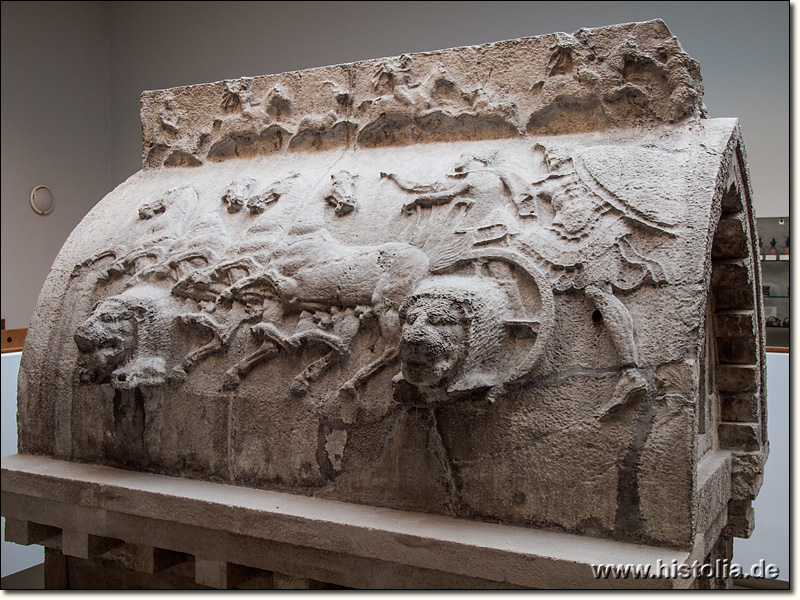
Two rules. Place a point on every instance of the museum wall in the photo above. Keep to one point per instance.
(55, 132)
(73, 74)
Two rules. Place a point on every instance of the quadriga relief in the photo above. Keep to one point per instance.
(552, 222)
(376, 297)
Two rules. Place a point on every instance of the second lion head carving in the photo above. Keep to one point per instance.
(453, 332)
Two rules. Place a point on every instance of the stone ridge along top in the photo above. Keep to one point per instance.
(628, 75)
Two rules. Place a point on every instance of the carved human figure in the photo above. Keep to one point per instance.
(588, 241)
(393, 79)
(472, 185)
(481, 185)
(453, 332)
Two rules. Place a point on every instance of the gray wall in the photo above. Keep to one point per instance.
(55, 132)
(742, 47)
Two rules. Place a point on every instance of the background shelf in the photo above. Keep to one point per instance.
(775, 275)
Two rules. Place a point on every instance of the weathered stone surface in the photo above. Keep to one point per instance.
(625, 75)
(748, 473)
(340, 543)
(712, 534)
(741, 526)
(86, 545)
(226, 352)
(218, 574)
(741, 519)
(739, 436)
(510, 283)
(733, 286)
(738, 378)
(55, 570)
(713, 491)
(742, 406)
(287, 582)
(27, 533)
(736, 340)
(680, 378)
(145, 559)
(101, 574)
(732, 239)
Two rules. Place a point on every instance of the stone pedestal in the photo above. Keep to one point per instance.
(125, 527)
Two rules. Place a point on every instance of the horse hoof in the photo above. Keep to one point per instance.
(299, 387)
(348, 389)
(231, 380)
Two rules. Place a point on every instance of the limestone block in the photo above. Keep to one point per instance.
(732, 238)
(738, 508)
(55, 570)
(736, 341)
(664, 460)
(741, 526)
(742, 407)
(224, 575)
(732, 284)
(716, 529)
(287, 582)
(253, 531)
(747, 473)
(625, 75)
(738, 378)
(144, 558)
(104, 574)
(739, 436)
(678, 378)
(27, 533)
(211, 572)
(714, 491)
(741, 519)
(86, 545)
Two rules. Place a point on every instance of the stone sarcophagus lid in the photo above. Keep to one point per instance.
(481, 317)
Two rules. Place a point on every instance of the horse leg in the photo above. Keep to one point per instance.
(364, 374)
(180, 372)
(313, 372)
(234, 375)
(219, 339)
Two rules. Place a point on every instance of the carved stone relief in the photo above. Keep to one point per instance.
(625, 75)
(414, 284)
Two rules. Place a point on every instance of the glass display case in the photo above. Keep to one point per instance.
(773, 234)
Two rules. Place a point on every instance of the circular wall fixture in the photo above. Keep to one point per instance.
(43, 201)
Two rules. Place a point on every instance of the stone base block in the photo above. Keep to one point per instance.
(157, 531)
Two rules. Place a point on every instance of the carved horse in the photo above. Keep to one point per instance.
(312, 273)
